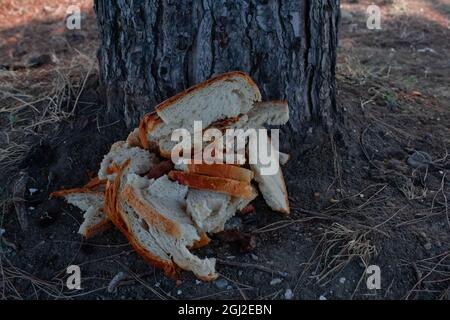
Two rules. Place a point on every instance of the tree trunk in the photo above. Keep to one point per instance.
(152, 49)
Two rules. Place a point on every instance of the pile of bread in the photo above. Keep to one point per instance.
(165, 211)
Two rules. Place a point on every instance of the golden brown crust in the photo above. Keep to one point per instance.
(222, 171)
(203, 241)
(165, 104)
(223, 185)
(114, 212)
(95, 186)
(97, 228)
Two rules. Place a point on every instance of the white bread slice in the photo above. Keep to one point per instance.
(140, 160)
(272, 187)
(270, 113)
(89, 199)
(211, 210)
(224, 96)
(218, 170)
(153, 213)
(223, 185)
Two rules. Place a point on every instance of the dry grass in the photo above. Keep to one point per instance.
(429, 273)
(31, 109)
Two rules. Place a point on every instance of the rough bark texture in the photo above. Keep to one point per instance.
(152, 49)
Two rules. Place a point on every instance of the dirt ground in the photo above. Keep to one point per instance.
(375, 193)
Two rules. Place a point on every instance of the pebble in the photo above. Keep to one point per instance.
(221, 283)
(179, 292)
(427, 246)
(197, 282)
(342, 280)
(288, 295)
(2, 232)
(254, 257)
(275, 281)
(322, 297)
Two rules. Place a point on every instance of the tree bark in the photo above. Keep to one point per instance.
(152, 49)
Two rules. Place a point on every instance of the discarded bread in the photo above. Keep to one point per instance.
(90, 199)
(165, 209)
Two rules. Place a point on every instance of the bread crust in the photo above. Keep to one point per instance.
(95, 186)
(229, 186)
(166, 104)
(98, 228)
(222, 171)
(147, 124)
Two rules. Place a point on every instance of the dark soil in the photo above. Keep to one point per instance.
(361, 196)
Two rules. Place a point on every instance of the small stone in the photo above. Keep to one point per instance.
(275, 281)
(179, 292)
(427, 246)
(221, 283)
(229, 287)
(254, 257)
(157, 284)
(2, 232)
(288, 295)
(197, 282)
(322, 297)
(342, 280)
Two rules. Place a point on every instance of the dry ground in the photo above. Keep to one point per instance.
(382, 198)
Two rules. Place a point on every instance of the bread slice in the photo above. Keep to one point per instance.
(128, 222)
(224, 96)
(140, 160)
(219, 170)
(223, 185)
(270, 113)
(151, 215)
(272, 187)
(211, 210)
(89, 199)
